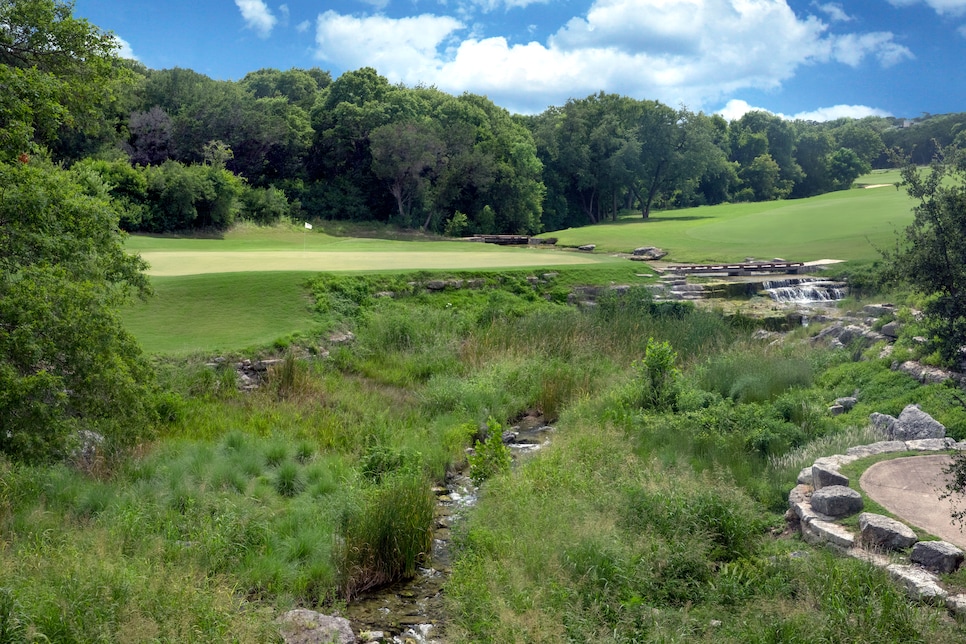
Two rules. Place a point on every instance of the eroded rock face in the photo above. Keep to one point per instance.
(938, 556)
(882, 532)
(303, 626)
(837, 501)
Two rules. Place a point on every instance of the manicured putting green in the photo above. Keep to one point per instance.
(185, 262)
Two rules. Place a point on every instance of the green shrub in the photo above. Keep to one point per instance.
(491, 456)
(658, 376)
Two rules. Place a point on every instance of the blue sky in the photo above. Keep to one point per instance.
(814, 59)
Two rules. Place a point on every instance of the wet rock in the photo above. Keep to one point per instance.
(882, 532)
(836, 501)
(303, 626)
(938, 556)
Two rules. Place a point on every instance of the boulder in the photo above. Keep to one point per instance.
(924, 373)
(825, 476)
(919, 584)
(836, 410)
(883, 422)
(847, 402)
(649, 252)
(837, 501)
(914, 424)
(938, 556)
(891, 330)
(303, 626)
(883, 532)
(587, 247)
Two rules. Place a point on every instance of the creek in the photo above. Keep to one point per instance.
(412, 612)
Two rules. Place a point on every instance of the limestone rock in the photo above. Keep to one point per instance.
(826, 476)
(649, 252)
(587, 247)
(303, 626)
(919, 584)
(930, 444)
(805, 476)
(882, 422)
(881, 447)
(924, 373)
(847, 402)
(818, 531)
(891, 330)
(938, 556)
(837, 501)
(913, 424)
(883, 532)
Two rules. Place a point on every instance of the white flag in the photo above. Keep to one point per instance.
(308, 225)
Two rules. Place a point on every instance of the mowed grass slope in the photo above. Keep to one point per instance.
(220, 312)
(246, 287)
(847, 225)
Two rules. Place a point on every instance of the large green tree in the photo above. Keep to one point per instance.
(66, 364)
(931, 255)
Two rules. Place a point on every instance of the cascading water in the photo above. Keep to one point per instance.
(805, 290)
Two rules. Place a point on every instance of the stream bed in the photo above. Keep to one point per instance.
(412, 612)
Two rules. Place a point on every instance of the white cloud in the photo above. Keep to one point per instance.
(942, 7)
(736, 108)
(405, 49)
(494, 5)
(851, 49)
(676, 51)
(834, 11)
(257, 16)
(124, 48)
(840, 111)
(303, 26)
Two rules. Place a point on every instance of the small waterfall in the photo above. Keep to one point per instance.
(805, 290)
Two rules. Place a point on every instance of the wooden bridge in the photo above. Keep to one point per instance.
(743, 268)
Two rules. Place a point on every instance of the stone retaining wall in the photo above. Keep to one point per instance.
(871, 543)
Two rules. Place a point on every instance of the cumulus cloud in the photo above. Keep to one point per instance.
(840, 111)
(406, 49)
(942, 7)
(736, 108)
(851, 49)
(123, 48)
(834, 11)
(677, 51)
(257, 16)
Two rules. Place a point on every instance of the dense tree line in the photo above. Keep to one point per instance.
(298, 143)
(181, 150)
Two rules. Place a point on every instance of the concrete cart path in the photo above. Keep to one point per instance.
(910, 488)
